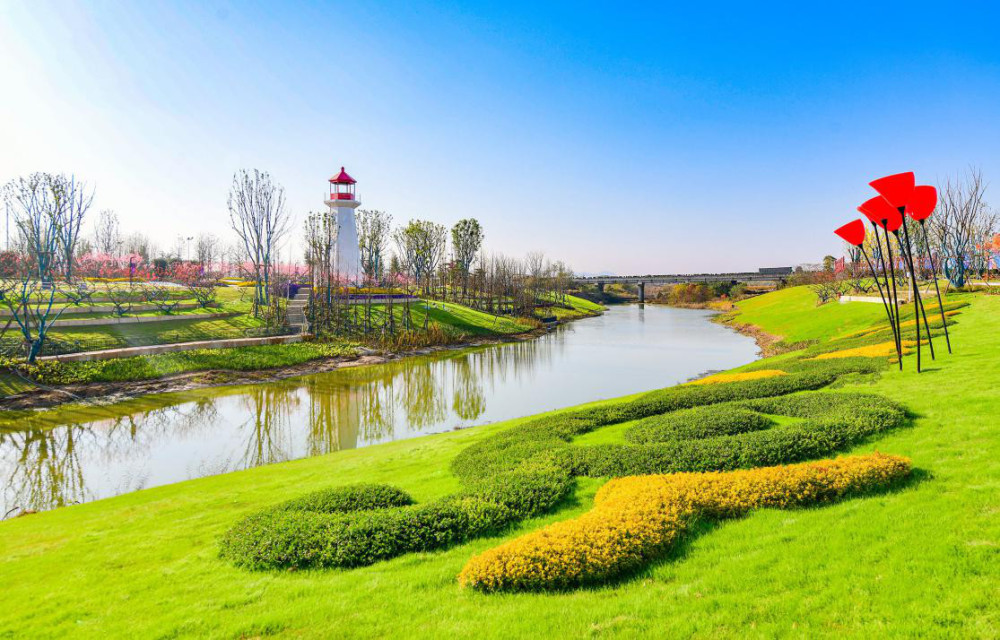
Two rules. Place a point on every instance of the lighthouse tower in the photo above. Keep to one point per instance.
(342, 203)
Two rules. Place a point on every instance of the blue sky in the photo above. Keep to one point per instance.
(619, 137)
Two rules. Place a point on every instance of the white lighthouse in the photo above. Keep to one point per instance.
(342, 203)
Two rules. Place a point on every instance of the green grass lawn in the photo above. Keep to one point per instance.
(921, 561)
(137, 335)
(792, 314)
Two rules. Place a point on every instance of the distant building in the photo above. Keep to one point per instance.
(809, 266)
(775, 271)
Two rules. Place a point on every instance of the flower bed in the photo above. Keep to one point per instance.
(636, 519)
(720, 378)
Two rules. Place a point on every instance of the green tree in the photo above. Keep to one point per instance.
(466, 241)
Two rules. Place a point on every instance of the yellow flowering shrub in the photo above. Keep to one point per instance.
(906, 323)
(637, 518)
(880, 350)
(720, 378)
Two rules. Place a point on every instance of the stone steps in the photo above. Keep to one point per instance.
(296, 312)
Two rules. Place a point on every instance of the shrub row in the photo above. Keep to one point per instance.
(551, 434)
(833, 421)
(356, 526)
(515, 474)
(636, 519)
(697, 423)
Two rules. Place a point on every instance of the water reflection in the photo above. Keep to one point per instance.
(77, 454)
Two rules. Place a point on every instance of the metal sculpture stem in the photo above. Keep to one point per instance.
(937, 289)
(888, 310)
(895, 299)
(904, 249)
(885, 276)
(920, 298)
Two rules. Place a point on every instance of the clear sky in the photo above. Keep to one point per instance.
(668, 137)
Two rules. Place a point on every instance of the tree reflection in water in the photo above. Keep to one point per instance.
(267, 429)
(80, 452)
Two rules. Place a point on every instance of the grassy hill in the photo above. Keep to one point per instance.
(920, 561)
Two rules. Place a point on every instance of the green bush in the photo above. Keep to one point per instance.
(356, 526)
(549, 435)
(355, 497)
(832, 421)
(697, 423)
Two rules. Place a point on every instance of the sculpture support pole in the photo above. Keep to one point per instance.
(895, 300)
(913, 281)
(937, 289)
(888, 311)
(890, 275)
(885, 276)
(916, 291)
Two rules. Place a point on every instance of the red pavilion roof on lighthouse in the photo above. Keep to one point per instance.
(342, 178)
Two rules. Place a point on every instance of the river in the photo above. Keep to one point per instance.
(77, 454)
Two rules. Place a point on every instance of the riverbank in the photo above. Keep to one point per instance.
(50, 384)
(916, 561)
(728, 314)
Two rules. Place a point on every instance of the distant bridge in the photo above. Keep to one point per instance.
(766, 275)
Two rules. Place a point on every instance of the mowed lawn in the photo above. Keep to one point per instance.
(920, 561)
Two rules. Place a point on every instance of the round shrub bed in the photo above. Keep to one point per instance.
(527, 470)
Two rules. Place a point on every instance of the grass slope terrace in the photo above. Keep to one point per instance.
(921, 560)
(453, 323)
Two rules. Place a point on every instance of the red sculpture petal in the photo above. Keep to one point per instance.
(879, 211)
(896, 188)
(922, 202)
(853, 233)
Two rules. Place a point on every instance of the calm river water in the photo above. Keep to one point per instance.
(96, 452)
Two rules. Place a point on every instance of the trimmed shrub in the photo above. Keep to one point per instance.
(355, 497)
(637, 519)
(719, 378)
(833, 421)
(697, 423)
(355, 526)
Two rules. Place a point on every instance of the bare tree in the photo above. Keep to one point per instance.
(962, 220)
(534, 264)
(40, 207)
(258, 216)
(72, 197)
(207, 249)
(107, 235)
(139, 244)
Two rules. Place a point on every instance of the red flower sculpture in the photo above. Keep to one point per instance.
(896, 188)
(879, 211)
(922, 202)
(853, 233)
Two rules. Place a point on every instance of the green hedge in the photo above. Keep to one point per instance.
(552, 434)
(356, 526)
(697, 423)
(527, 470)
(833, 422)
